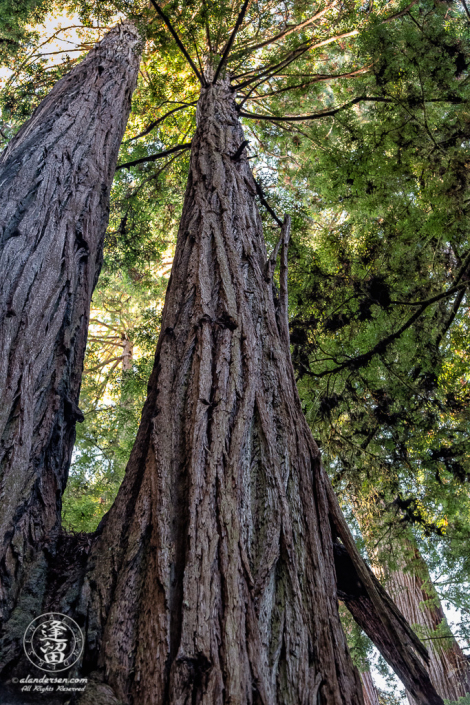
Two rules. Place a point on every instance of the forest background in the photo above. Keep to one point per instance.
(377, 188)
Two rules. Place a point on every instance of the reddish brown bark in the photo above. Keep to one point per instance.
(212, 578)
(55, 179)
(223, 500)
(374, 611)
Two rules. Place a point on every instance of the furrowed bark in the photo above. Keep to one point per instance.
(55, 180)
(212, 578)
(214, 566)
(380, 619)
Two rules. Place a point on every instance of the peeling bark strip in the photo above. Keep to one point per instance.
(55, 179)
(212, 580)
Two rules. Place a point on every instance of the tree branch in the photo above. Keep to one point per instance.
(450, 320)
(433, 299)
(180, 44)
(382, 345)
(314, 116)
(161, 119)
(103, 364)
(229, 44)
(263, 200)
(317, 79)
(399, 14)
(154, 157)
(466, 8)
(290, 57)
(289, 30)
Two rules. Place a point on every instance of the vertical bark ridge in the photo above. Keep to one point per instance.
(221, 587)
(55, 179)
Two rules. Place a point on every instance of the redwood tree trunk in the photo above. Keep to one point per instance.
(212, 580)
(55, 179)
(368, 689)
(216, 559)
(413, 592)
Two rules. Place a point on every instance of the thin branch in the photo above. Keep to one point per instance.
(154, 157)
(294, 54)
(161, 119)
(433, 299)
(466, 8)
(180, 44)
(451, 318)
(201, 68)
(400, 14)
(207, 27)
(271, 70)
(103, 385)
(314, 116)
(229, 44)
(382, 345)
(263, 200)
(102, 323)
(283, 292)
(289, 30)
(111, 340)
(103, 364)
(318, 78)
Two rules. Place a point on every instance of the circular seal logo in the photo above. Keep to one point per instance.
(53, 642)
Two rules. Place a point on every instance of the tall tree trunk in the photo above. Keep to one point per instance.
(212, 580)
(413, 592)
(219, 579)
(55, 180)
(368, 689)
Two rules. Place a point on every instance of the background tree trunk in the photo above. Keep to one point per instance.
(368, 689)
(413, 592)
(55, 180)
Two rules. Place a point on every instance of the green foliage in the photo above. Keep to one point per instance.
(378, 321)
(14, 18)
(125, 321)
